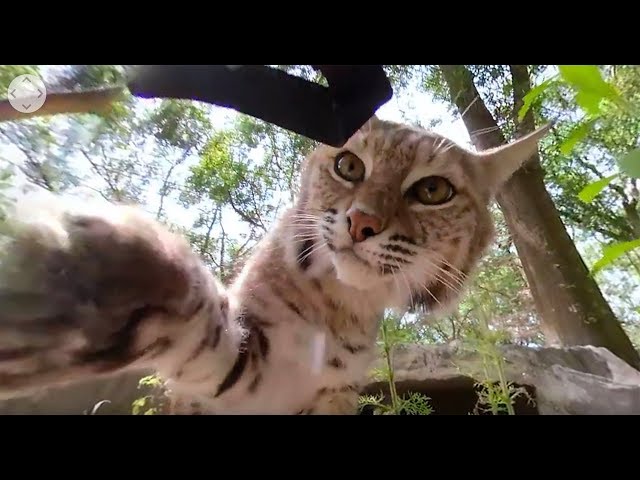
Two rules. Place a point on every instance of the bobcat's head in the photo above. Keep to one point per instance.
(402, 206)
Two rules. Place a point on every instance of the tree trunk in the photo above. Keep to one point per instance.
(633, 216)
(571, 307)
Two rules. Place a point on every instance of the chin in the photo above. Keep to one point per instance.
(354, 272)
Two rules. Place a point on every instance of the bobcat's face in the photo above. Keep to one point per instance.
(401, 206)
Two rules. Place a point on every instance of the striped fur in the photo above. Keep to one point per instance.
(86, 292)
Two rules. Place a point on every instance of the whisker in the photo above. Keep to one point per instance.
(442, 259)
(453, 277)
(448, 147)
(424, 286)
(441, 142)
(304, 228)
(301, 225)
(308, 234)
(459, 272)
(459, 283)
(303, 239)
(306, 215)
(406, 281)
(303, 221)
(446, 283)
(313, 250)
(466, 110)
(443, 145)
(299, 238)
(318, 214)
(483, 131)
(396, 282)
(314, 209)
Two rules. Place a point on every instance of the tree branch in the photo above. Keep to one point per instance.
(89, 101)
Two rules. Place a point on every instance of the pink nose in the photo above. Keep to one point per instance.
(362, 225)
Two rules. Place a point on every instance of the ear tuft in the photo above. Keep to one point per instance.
(499, 164)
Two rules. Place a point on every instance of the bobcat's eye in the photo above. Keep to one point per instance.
(432, 190)
(349, 167)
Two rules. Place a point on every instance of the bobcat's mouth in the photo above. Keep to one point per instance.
(358, 272)
(346, 251)
(352, 254)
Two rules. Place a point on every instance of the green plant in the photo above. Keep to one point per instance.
(149, 404)
(494, 396)
(392, 333)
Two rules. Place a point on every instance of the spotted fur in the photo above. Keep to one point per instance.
(86, 292)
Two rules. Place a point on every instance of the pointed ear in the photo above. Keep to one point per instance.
(497, 165)
(366, 128)
(370, 124)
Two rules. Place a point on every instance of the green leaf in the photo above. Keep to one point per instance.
(630, 163)
(531, 97)
(415, 404)
(592, 190)
(613, 252)
(588, 80)
(576, 136)
(589, 102)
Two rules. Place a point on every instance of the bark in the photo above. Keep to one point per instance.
(571, 306)
(633, 216)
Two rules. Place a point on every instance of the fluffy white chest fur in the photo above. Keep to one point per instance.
(298, 369)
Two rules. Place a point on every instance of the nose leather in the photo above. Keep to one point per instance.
(363, 225)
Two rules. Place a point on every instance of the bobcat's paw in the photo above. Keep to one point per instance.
(93, 290)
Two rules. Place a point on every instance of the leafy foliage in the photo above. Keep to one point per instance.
(612, 252)
(153, 403)
(610, 129)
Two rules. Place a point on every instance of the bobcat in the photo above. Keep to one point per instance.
(398, 217)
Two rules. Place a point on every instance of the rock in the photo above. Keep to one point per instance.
(561, 381)
(118, 393)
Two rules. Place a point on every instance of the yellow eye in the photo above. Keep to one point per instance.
(433, 190)
(349, 167)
